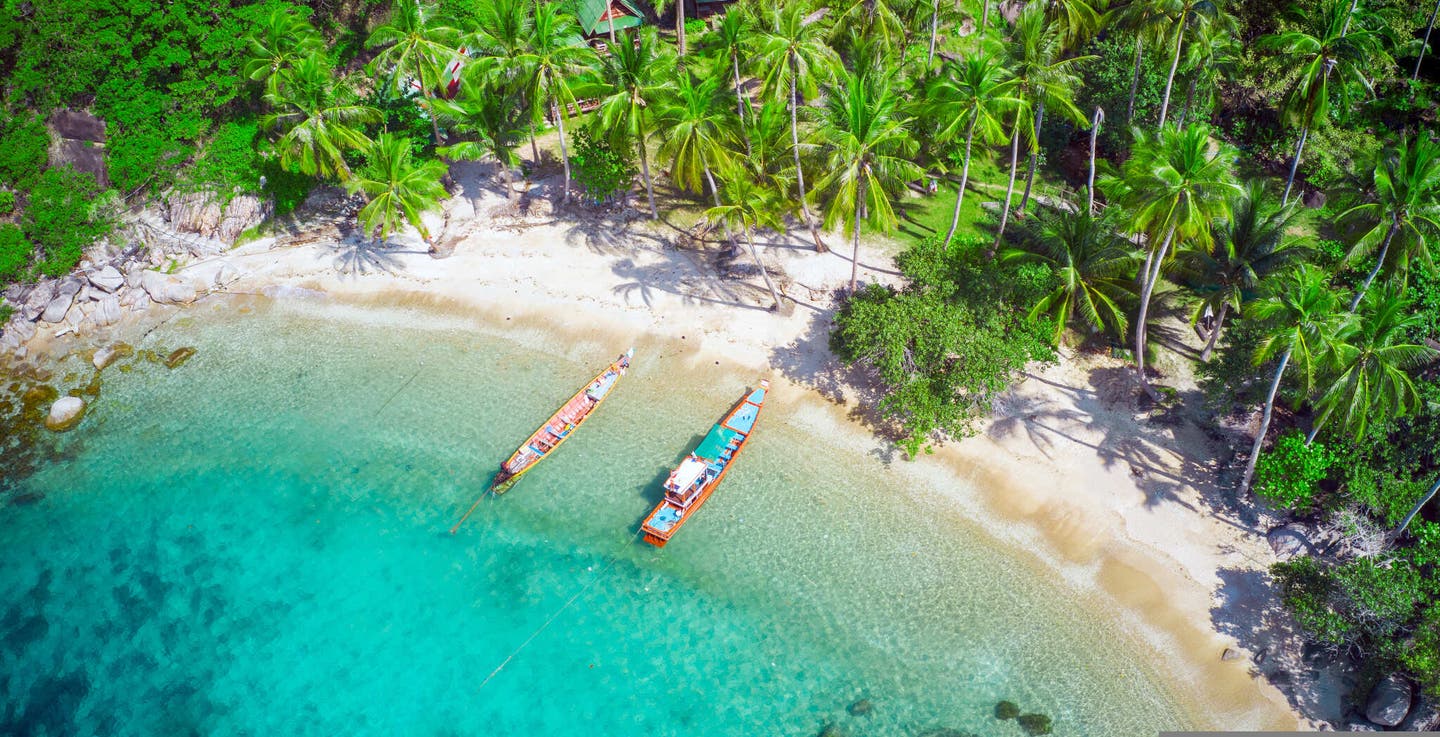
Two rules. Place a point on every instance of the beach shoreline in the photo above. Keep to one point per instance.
(1064, 470)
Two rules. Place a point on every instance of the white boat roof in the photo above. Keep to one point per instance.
(689, 470)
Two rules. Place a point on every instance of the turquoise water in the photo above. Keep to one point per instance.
(255, 543)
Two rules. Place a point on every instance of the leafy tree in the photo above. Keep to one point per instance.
(317, 120)
(15, 252)
(970, 95)
(417, 47)
(24, 149)
(599, 168)
(64, 216)
(493, 125)
(399, 188)
(554, 56)
(633, 79)
(1290, 474)
(1094, 266)
(1403, 211)
(866, 147)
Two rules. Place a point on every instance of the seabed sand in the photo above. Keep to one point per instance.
(1063, 469)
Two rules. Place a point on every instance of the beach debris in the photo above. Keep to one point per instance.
(1231, 654)
(1007, 710)
(1035, 724)
(178, 357)
(860, 708)
(1390, 701)
(66, 413)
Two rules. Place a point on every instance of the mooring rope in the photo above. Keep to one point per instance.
(401, 389)
(615, 558)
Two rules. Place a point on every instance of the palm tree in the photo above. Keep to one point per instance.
(1245, 250)
(1371, 382)
(503, 31)
(729, 40)
(399, 188)
(414, 46)
(493, 121)
(1175, 185)
(1310, 55)
(317, 118)
(554, 56)
(866, 149)
(1424, 46)
(1095, 120)
(877, 19)
(1434, 488)
(1210, 57)
(284, 37)
(1184, 15)
(743, 201)
(794, 57)
(1405, 205)
(661, 6)
(633, 77)
(1078, 20)
(970, 95)
(1095, 266)
(1045, 78)
(697, 130)
(1146, 20)
(1301, 313)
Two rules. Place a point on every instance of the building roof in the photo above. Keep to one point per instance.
(597, 15)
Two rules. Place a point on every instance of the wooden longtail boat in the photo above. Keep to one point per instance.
(692, 482)
(556, 430)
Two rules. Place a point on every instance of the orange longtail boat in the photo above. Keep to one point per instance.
(695, 479)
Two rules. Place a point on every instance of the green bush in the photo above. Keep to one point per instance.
(693, 28)
(228, 163)
(7, 202)
(15, 252)
(62, 218)
(1288, 475)
(288, 188)
(602, 171)
(1107, 84)
(24, 149)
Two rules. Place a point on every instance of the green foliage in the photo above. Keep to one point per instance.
(24, 149)
(1290, 473)
(63, 218)
(1007, 710)
(286, 187)
(7, 203)
(694, 26)
(1334, 153)
(15, 250)
(1107, 85)
(1422, 654)
(600, 168)
(1306, 590)
(229, 163)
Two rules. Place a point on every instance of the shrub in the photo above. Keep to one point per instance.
(1289, 473)
(7, 202)
(1107, 84)
(288, 188)
(24, 149)
(229, 162)
(15, 252)
(598, 167)
(63, 218)
(694, 27)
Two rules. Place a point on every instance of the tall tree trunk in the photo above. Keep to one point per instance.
(534, 149)
(610, 23)
(1174, 64)
(964, 177)
(509, 178)
(1134, 84)
(754, 254)
(1424, 46)
(1264, 423)
(1423, 500)
(1348, 16)
(645, 169)
(1010, 190)
(855, 237)
(1095, 121)
(564, 153)
(1146, 292)
(715, 193)
(1315, 429)
(1214, 332)
(1034, 160)
(935, 30)
(430, 109)
(680, 25)
(795, 145)
(1379, 262)
(1189, 99)
(740, 101)
(1294, 164)
(984, 16)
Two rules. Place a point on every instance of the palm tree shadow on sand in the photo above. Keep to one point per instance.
(356, 255)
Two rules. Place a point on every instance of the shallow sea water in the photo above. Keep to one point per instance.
(256, 543)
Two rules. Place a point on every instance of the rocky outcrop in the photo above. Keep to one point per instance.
(1389, 701)
(1290, 540)
(1424, 717)
(78, 125)
(107, 279)
(80, 143)
(203, 214)
(166, 289)
(65, 413)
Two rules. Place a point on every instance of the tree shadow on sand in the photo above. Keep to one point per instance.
(356, 255)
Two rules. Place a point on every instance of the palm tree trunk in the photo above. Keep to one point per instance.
(935, 30)
(1379, 262)
(645, 169)
(984, 16)
(964, 177)
(715, 193)
(855, 237)
(1264, 423)
(1010, 190)
(564, 153)
(1294, 164)
(680, 25)
(430, 108)
(1214, 333)
(1095, 122)
(740, 101)
(1424, 46)
(611, 23)
(763, 273)
(1348, 16)
(1152, 276)
(534, 149)
(795, 145)
(1134, 84)
(1189, 99)
(1034, 160)
(508, 176)
(1423, 500)
(1174, 64)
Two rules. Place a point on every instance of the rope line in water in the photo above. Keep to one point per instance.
(615, 558)
(401, 389)
(486, 495)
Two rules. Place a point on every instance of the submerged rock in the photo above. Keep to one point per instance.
(1035, 724)
(110, 354)
(1007, 710)
(1389, 701)
(178, 357)
(66, 413)
(860, 708)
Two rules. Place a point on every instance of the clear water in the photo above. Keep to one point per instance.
(255, 543)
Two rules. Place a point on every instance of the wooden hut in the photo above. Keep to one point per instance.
(602, 18)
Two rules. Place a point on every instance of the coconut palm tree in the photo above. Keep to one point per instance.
(416, 46)
(1371, 381)
(1420, 57)
(284, 37)
(553, 57)
(1146, 21)
(879, 19)
(1301, 314)
(1096, 119)
(1185, 15)
(503, 31)
(794, 60)
(1403, 214)
(698, 131)
(399, 188)
(663, 5)
(866, 150)
(1078, 20)
(1245, 250)
(1210, 56)
(1175, 185)
(729, 43)
(1095, 267)
(1319, 48)
(494, 124)
(1046, 78)
(316, 118)
(970, 98)
(746, 203)
(633, 77)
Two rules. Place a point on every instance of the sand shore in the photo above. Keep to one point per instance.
(1066, 468)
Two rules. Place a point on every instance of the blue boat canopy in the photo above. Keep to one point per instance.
(714, 444)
